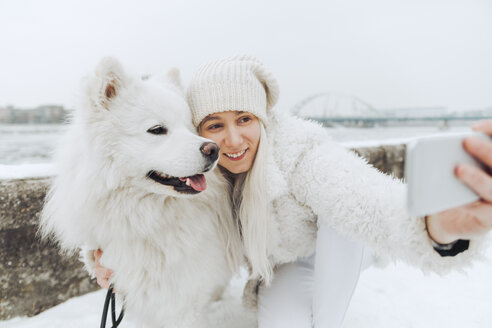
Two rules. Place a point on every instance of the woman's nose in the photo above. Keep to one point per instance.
(233, 137)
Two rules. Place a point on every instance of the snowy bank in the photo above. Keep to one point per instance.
(21, 171)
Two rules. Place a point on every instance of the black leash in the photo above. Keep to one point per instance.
(111, 298)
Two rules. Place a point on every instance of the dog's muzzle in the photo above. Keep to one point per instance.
(190, 184)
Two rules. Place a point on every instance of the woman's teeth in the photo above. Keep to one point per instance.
(236, 155)
(188, 183)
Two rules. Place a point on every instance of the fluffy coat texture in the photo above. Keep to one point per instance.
(172, 254)
(312, 179)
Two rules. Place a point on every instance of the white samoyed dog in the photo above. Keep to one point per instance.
(135, 181)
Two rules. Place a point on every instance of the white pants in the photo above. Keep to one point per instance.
(316, 291)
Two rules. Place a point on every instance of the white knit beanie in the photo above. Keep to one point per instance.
(238, 83)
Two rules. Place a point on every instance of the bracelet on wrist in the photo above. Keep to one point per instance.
(435, 244)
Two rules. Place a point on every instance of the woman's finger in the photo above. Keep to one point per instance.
(484, 126)
(476, 179)
(102, 277)
(479, 148)
(97, 256)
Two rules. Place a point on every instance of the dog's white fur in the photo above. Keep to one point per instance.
(172, 254)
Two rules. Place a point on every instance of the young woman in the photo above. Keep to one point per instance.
(305, 205)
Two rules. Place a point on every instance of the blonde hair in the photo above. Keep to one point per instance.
(252, 209)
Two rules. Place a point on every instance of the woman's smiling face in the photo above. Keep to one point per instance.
(238, 136)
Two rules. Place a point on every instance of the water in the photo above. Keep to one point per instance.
(28, 144)
(34, 144)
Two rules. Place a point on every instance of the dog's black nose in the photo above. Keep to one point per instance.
(210, 150)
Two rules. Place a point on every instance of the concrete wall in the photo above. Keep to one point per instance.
(34, 277)
(388, 159)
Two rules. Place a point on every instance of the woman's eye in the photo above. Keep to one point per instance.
(245, 119)
(213, 127)
(158, 129)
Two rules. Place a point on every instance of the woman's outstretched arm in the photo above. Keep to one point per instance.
(364, 204)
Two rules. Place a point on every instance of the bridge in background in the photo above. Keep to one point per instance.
(382, 121)
(339, 109)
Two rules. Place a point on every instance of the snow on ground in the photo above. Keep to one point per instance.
(398, 296)
(20, 171)
(402, 296)
(84, 311)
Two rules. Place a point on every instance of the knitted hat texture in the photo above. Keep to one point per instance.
(238, 83)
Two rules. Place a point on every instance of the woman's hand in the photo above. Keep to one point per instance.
(102, 274)
(473, 219)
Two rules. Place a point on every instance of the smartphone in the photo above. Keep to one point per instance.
(429, 173)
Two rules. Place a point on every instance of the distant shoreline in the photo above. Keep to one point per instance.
(47, 114)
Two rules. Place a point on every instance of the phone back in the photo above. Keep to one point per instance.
(429, 173)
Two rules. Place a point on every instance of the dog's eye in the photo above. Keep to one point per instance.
(158, 129)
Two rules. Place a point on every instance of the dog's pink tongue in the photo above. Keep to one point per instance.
(198, 182)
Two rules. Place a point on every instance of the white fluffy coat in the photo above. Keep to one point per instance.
(311, 178)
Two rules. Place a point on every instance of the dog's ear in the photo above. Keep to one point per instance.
(174, 76)
(107, 82)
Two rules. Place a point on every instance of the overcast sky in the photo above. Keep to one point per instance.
(389, 53)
